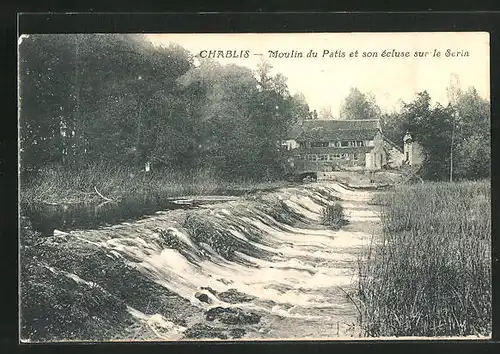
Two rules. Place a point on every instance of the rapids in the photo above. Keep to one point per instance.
(269, 248)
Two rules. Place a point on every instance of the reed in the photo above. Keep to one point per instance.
(97, 182)
(430, 275)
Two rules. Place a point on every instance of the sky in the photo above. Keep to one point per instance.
(325, 81)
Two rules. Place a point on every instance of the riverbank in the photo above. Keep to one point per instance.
(98, 195)
(431, 273)
(261, 267)
(103, 183)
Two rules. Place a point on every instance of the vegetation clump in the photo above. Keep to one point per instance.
(333, 216)
(431, 273)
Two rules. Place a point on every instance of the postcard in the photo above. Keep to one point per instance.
(254, 187)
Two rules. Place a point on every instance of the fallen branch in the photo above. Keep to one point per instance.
(100, 195)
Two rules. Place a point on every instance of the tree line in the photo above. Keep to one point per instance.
(117, 99)
(455, 138)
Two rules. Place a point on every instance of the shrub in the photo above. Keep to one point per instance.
(333, 216)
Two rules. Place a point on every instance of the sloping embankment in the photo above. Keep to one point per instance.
(258, 268)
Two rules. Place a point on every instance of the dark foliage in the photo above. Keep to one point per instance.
(118, 99)
(333, 216)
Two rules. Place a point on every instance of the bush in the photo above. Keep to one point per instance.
(333, 216)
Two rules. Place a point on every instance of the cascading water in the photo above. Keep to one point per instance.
(262, 267)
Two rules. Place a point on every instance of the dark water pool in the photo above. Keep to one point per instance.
(45, 218)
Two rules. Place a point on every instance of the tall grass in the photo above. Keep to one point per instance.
(58, 184)
(431, 273)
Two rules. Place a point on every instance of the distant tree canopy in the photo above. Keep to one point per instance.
(358, 105)
(464, 124)
(119, 99)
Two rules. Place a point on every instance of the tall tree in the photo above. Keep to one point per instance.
(119, 99)
(358, 105)
(47, 97)
(264, 76)
(90, 97)
(473, 136)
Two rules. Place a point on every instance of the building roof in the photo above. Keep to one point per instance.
(393, 144)
(335, 130)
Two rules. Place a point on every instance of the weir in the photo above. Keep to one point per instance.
(265, 255)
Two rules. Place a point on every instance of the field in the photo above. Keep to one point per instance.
(430, 275)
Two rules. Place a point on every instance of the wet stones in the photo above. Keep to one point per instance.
(203, 297)
(169, 239)
(232, 316)
(233, 296)
(225, 281)
(209, 289)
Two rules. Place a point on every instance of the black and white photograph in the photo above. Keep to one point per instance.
(254, 186)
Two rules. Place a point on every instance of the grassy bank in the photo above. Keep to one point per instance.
(59, 198)
(62, 185)
(431, 274)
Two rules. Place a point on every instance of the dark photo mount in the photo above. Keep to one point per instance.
(224, 322)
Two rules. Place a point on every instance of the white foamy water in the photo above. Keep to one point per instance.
(303, 276)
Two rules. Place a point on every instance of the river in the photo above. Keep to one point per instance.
(245, 269)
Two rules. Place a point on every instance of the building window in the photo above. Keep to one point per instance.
(323, 157)
(344, 144)
(360, 143)
(355, 157)
(311, 157)
(319, 144)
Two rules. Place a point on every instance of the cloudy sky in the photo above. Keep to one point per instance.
(325, 81)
